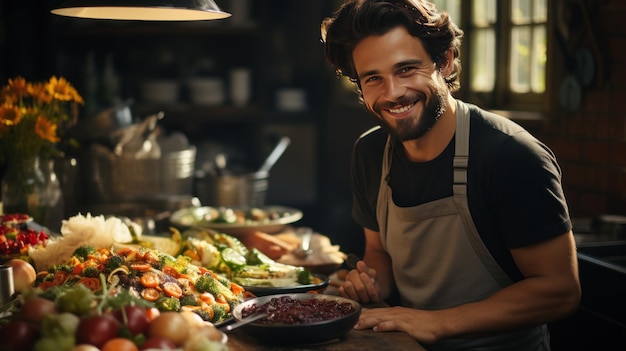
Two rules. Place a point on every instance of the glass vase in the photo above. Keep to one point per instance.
(30, 186)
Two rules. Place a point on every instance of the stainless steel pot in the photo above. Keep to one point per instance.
(225, 188)
(232, 190)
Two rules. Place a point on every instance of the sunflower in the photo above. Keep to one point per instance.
(32, 115)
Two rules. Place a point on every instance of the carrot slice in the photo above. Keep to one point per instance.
(149, 280)
(150, 294)
(172, 289)
(236, 288)
(141, 266)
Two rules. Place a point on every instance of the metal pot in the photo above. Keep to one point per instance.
(222, 187)
(232, 190)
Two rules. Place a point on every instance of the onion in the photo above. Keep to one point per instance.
(23, 274)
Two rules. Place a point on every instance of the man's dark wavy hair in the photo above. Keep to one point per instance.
(358, 19)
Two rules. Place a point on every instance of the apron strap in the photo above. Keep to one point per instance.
(461, 148)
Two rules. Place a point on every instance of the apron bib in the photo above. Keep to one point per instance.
(438, 258)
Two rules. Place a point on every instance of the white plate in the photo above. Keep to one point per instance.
(201, 217)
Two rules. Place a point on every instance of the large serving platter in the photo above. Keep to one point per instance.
(206, 217)
(320, 283)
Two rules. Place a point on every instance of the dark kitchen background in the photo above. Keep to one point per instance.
(278, 43)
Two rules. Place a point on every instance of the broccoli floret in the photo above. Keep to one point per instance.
(304, 276)
(219, 313)
(167, 304)
(206, 283)
(113, 263)
(205, 315)
(189, 300)
(166, 260)
(224, 281)
(82, 252)
(91, 272)
(61, 267)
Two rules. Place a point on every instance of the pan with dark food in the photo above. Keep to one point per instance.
(299, 319)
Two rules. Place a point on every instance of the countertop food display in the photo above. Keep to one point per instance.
(101, 285)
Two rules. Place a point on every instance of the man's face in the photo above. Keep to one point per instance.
(400, 83)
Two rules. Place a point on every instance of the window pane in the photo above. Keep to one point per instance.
(452, 7)
(539, 58)
(520, 59)
(483, 57)
(520, 11)
(540, 11)
(484, 12)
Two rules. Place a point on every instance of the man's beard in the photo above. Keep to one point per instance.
(415, 127)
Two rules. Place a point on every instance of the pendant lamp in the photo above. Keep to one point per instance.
(142, 10)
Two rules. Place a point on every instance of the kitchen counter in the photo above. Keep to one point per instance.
(355, 340)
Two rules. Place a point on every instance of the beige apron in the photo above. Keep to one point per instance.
(438, 258)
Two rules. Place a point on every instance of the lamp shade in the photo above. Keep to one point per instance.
(142, 10)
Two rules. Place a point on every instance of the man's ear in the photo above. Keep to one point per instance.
(447, 66)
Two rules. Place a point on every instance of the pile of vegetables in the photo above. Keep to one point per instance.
(170, 284)
(226, 255)
(74, 318)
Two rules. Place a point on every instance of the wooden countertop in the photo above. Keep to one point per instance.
(355, 340)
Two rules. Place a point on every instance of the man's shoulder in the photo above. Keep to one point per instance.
(372, 139)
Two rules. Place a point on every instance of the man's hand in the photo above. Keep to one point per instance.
(416, 323)
(360, 284)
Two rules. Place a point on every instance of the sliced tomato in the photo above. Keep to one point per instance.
(150, 279)
(60, 278)
(140, 266)
(150, 294)
(92, 283)
(172, 289)
(169, 270)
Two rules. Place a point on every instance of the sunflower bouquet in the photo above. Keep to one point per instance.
(34, 116)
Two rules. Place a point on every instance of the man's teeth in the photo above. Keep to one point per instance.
(401, 109)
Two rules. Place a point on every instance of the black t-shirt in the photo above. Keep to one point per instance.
(514, 184)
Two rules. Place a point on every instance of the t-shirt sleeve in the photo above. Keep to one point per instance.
(530, 203)
(365, 173)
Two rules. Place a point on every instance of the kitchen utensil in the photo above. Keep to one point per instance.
(243, 321)
(304, 250)
(274, 155)
(299, 334)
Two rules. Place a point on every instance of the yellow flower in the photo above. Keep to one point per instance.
(61, 89)
(34, 117)
(46, 130)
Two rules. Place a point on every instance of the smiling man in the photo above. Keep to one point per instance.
(463, 211)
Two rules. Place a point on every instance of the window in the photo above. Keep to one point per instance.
(504, 52)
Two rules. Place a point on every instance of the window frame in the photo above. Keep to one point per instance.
(502, 99)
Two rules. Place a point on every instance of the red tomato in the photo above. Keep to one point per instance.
(136, 318)
(96, 330)
(159, 343)
(18, 336)
(35, 308)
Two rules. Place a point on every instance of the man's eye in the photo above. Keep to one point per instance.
(372, 79)
(406, 70)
